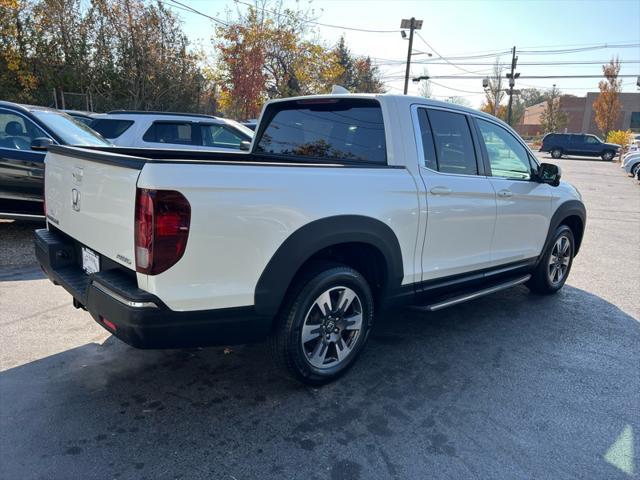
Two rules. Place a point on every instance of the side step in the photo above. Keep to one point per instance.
(472, 295)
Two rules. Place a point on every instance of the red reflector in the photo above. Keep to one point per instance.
(161, 229)
(110, 325)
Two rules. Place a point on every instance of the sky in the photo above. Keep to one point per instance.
(458, 28)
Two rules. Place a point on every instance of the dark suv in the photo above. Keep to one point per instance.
(559, 144)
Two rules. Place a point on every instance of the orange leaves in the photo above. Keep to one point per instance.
(607, 106)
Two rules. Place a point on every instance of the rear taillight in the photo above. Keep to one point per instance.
(161, 229)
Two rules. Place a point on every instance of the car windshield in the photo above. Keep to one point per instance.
(70, 131)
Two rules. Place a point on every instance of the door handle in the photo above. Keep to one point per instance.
(440, 190)
(505, 193)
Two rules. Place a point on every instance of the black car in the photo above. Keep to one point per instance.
(25, 133)
(559, 144)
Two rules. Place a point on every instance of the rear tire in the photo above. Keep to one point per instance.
(556, 153)
(607, 155)
(553, 269)
(324, 323)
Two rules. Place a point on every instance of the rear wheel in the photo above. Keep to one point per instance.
(607, 155)
(554, 266)
(324, 324)
(634, 170)
(556, 153)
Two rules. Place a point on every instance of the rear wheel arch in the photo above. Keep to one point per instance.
(363, 243)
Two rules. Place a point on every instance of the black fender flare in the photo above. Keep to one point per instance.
(567, 209)
(315, 236)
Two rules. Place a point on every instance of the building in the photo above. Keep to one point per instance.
(581, 116)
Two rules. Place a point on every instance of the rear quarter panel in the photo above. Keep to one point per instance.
(241, 214)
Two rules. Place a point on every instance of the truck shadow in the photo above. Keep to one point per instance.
(540, 387)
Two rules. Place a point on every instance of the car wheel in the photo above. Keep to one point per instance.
(554, 266)
(324, 324)
(556, 153)
(635, 169)
(607, 155)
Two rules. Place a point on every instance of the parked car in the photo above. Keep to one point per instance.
(171, 130)
(631, 163)
(345, 205)
(634, 144)
(25, 133)
(81, 116)
(586, 145)
(251, 124)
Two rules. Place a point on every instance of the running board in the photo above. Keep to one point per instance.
(473, 295)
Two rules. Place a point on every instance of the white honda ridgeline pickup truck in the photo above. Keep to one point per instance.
(343, 206)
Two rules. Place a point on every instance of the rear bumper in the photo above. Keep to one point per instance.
(139, 318)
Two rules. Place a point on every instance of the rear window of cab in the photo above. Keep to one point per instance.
(348, 130)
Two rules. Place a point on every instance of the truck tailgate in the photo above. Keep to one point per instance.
(90, 196)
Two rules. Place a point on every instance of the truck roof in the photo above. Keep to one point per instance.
(401, 100)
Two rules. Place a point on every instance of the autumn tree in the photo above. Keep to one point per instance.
(607, 106)
(552, 118)
(494, 93)
(128, 53)
(270, 52)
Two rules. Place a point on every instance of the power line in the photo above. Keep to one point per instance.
(217, 20)
(435, 51)
(549, 63)
(341, 27)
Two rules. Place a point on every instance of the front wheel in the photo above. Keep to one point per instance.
(635, 169)
(556, 153)
(554, 266)
(324, 324)
(607, 156)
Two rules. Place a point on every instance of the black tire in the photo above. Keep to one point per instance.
(298, 309)
(607, 155)
(635, 169)
(542, 281)
(556, 153)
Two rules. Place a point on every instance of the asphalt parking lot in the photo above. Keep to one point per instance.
(508, 386)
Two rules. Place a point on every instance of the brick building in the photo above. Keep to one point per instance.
(581, 115)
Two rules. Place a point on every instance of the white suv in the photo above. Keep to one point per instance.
(171, 130)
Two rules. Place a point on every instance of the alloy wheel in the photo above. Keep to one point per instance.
(332, 327)
(559, 260)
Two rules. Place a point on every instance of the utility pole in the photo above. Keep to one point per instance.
(412, 24)
(512, 82)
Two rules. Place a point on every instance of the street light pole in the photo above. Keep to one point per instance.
(412, 24)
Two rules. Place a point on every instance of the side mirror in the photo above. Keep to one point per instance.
(549, 174)
(245, 145)
(41, 143)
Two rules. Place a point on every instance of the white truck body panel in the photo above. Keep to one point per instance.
(242, 213)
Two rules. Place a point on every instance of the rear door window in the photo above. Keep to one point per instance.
(221, 136)
(111, 128)
(455, 152)
(181, 133)
(349, 130)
